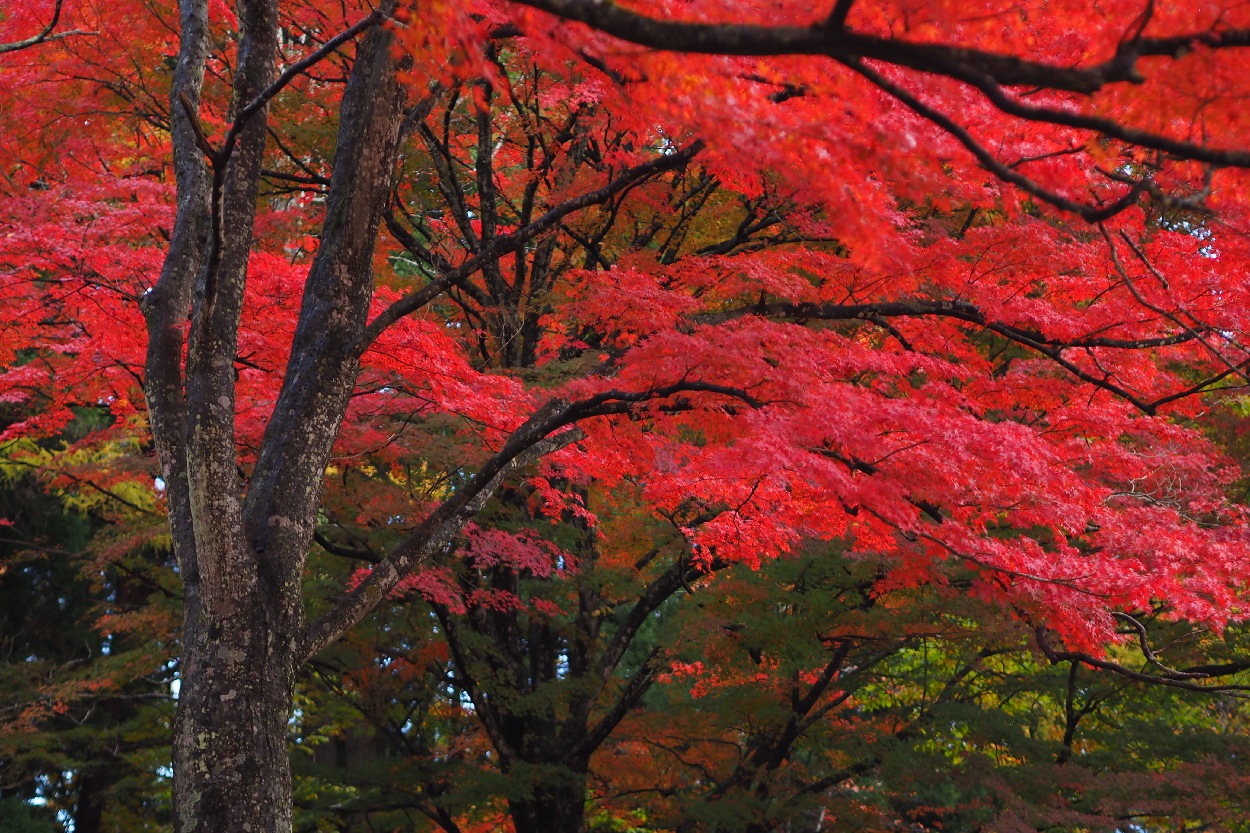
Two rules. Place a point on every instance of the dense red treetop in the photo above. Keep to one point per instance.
(991, 269)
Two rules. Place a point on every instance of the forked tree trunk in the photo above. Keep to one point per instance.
(241, 549)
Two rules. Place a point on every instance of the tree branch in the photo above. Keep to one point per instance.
(535, 439)
(1173, 679)
(988, 72)
(500, 246)
(355, 553)
(987, 160)
(45, 35)
(526, 446)
(290, 74)
(837, 18)
(964, 311)
(841, 44)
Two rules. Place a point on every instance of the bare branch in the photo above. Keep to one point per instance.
(535, 439)
(526, 446)
(290, 74)
(989, 72)
(848, 46)
(964, 311)
(1007, 173)
(837, 17)
(354, 553)
(1143, 642)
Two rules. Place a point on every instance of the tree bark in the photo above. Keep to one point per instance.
(231, 771)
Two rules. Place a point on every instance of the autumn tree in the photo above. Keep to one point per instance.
(1034, 277)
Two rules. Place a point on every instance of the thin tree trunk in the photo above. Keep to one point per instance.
(89, 808)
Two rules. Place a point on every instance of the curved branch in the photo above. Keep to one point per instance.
(45, 35)
(294, 70)
(964, 311)
(535, 439)
(837, 42)
(988, 72)
(1185, 680)
(433, 534)
(354, 553)
(994, 92)
(987, 160)
(1143, 642)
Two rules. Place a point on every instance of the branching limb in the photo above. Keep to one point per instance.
(296, 69)
(991, 73)
(1175, 679)
(987, 160)
(45, 35)
(1143, 642)
(201, 140)
(837, 17)
(355, 553)
(845, 45)
(970, 313)
(526, 446)
(501, 245)
(220, 157)
(1174, 318)
(535, 439)
(628, 698)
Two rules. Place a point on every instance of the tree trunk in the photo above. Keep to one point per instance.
(240, 548)
(557, 805)
(89, 809)
(230, 749)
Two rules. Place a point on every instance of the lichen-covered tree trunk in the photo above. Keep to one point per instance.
(241, 542)
(230, 751)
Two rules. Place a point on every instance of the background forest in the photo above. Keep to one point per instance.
(905, 485)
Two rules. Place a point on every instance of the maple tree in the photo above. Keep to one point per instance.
(861, 273)
(805, 692)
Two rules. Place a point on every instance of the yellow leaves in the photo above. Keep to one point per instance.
(101, 477)
(416, 478)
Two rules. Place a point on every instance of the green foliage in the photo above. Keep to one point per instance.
(18, 816)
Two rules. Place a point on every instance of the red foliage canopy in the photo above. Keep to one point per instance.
(980, 277)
